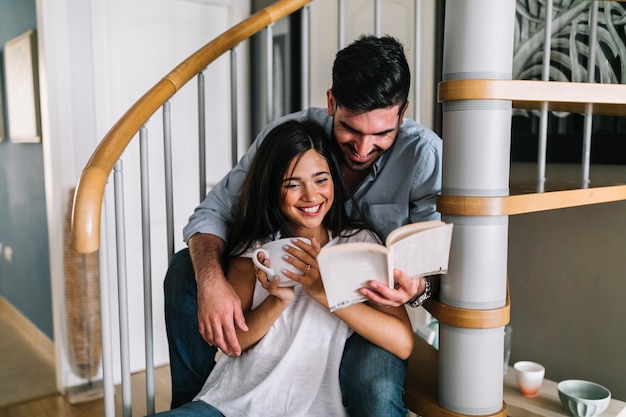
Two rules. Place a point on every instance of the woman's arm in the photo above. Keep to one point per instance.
(387, 327)
(241, 274)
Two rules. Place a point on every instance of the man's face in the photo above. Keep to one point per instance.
(363, 137)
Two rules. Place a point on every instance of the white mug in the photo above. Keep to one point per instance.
(274, 252)
(529, 376)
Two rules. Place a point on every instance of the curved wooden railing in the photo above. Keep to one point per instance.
(87, 204)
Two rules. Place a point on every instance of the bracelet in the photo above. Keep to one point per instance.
(418, 300)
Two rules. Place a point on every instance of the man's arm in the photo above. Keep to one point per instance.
(219, 307)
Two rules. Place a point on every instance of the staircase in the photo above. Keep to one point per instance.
(478, 96)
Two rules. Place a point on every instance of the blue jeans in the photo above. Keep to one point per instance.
(192, 409)
(371, 378)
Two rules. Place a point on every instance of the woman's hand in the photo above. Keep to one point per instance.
(285, 294)
(304, 258)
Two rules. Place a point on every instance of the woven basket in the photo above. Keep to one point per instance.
(82, 305)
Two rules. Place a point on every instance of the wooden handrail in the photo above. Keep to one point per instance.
(606, 99)
(528, 203)
(87, 205)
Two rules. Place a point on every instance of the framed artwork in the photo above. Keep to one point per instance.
(573, 28)
(2, 128)
(22, 88)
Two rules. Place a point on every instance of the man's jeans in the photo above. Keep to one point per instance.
(371, 378)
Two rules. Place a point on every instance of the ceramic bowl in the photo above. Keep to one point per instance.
(583, 398)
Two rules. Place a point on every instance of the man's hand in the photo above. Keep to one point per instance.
(406, 288)
(219, 307)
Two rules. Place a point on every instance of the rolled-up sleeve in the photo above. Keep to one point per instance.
(215, 214)
(426, 184)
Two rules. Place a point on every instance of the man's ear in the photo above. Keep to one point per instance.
(331, 105)
(406, 106)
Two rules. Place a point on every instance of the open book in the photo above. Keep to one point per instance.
(418, 249)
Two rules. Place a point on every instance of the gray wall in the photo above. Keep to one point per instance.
(25, 280)
(567, 278)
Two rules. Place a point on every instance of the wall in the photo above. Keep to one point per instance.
(96, 59)
(566, 277)
(24, 260)
(397, 19)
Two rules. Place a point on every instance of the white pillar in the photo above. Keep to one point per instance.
(478, 44)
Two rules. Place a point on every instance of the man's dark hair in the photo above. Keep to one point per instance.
(371, 73)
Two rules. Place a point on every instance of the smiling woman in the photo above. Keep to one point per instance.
(293, 188)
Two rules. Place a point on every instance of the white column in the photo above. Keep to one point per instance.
(478, 44)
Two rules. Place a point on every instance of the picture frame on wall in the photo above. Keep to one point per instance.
(22, 88)
(572, 31)
(2, 124)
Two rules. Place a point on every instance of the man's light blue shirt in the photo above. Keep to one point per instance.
(401, 188)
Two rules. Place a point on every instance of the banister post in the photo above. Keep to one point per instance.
(478, 44)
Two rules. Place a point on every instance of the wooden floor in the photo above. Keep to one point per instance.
(28, 386)
(57, 406)
(26, 358)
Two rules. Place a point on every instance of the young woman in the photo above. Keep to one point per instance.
(294, 344)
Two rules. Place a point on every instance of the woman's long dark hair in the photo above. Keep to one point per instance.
(258, 214)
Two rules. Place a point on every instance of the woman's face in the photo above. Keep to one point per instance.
(307, 192)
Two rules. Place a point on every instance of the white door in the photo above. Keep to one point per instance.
(96, 59)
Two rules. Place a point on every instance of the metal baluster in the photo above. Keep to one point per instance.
(543, 121)
(147, 269)
(269, 75)
(233, 106)
(341, 23)
(105, 319)
(120, 239)
(202, 135)
(304, 58)
(169, 188)
(377, 14)
(417, 59)
(591, 77)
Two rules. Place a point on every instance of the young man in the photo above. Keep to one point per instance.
(393, 169)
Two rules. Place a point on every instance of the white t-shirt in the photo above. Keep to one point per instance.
(293, 370)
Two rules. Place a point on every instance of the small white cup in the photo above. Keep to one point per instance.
(529, 377)
(274, 252)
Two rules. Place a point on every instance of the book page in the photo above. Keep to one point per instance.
(346, 268)
(423, 253)
(410, 229)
